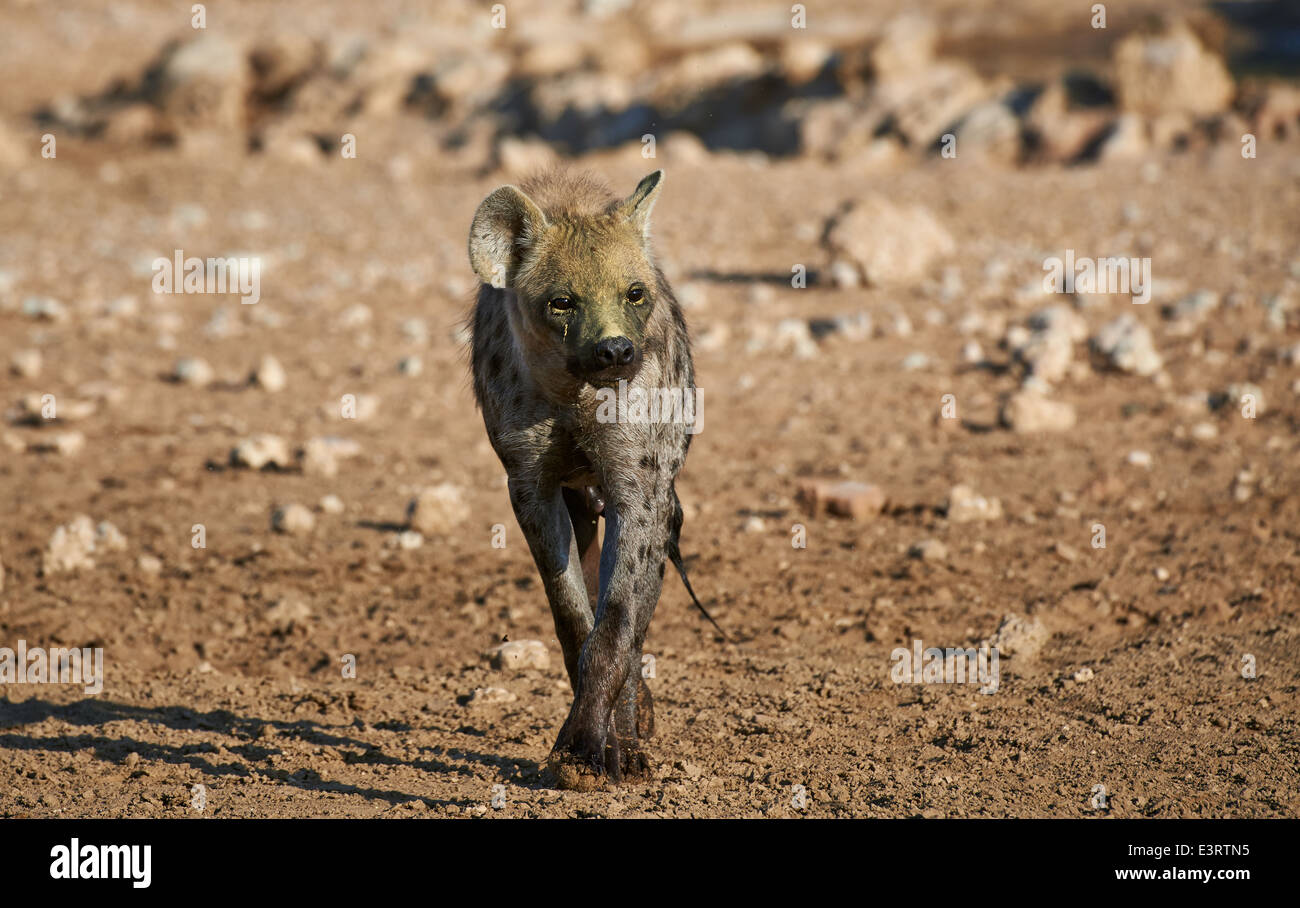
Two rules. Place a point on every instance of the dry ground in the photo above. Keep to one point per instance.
(203, 688)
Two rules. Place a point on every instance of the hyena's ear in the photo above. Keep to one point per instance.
(636, 207)
(505, 225)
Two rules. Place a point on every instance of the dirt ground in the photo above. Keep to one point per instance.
(222, 668)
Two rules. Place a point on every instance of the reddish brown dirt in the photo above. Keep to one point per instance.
(202, 689)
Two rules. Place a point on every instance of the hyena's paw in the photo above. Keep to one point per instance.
(634, 764)
(585, 762)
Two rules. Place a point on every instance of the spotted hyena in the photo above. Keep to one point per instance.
(571, 307)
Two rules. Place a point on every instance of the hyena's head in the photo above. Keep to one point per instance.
(581, 270)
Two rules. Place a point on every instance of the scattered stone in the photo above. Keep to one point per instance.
(1125, 344)
(1171, 72)
(1047, 347)
(355, 316)
(1018, 635)
(1162, 574)
(855, 500)
(269, 375)
(407, 540)
(65, 444)
(929, 550)
(149, 565)
(754, 524)
(490, 695)
(989, 131)
(202, 84)
(522, 157)
(70, 547)
(26, 363)
(415, 330)
(44, 308)
(437, 510)
(914, 362)
(964, 506)
(261, 451)
(293, 519)
(884, 242)
(108, 538)
(1028, 411)
(1205, 431)
(515, 655)
(1066, 553)
(1191, 310)
(1235, 396)
(1139, 458)
(320, 456)
(792, 335)
(410, 366)
(331, 504)
(1082, 676)
(1124, 140)
(285, 614)
(194, 372)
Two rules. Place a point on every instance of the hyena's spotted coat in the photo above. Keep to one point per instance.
(571, 301)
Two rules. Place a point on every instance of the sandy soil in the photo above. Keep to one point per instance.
(222, 669)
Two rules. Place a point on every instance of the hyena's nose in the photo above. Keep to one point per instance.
(614, 351)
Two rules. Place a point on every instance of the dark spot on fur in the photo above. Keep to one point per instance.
(661, 570)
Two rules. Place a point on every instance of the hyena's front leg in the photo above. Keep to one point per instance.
(600, 735)
(547, 526)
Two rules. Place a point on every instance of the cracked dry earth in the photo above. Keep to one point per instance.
(211, 680)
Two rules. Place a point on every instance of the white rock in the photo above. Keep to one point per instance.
(1125, 344)
(515, 655)
(293, 519)
(269, 375)
(260, 451)
(964, 506)
(1018, 635)
(71, 546)
(437, 510)
(489, 695)
(193, 371)
(1029, 411)
(887, 243)
(26, 363)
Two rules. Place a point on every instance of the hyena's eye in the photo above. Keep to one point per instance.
(635, 295)
(561, 304)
